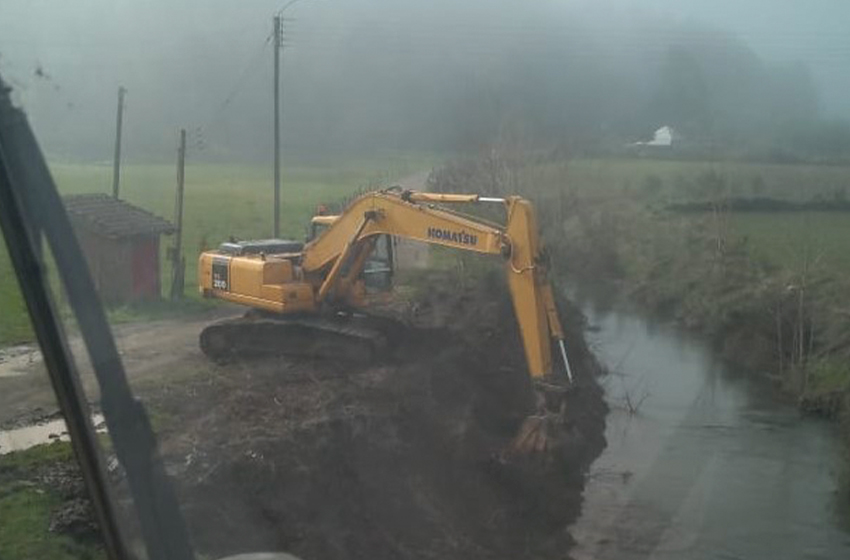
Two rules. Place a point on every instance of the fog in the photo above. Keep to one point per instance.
(436, 76)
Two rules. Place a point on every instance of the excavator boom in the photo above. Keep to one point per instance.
(414, 215)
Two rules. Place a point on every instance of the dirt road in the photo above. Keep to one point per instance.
(152, 352)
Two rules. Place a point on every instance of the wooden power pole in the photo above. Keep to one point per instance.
(178, 267)
(277, 33)
(116, 163)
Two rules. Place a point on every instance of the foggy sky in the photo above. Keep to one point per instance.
(362, 72)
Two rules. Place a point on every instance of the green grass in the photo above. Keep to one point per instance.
(784, 239)
(618, 177)
(790, 239)
(14, 321)
(35, 456)
(24, 531)
(25, 508)
(829, 375)
(224, 200)
(220, 201)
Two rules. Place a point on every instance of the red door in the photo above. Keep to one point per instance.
(146, 268)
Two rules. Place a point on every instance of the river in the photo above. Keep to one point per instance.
(714, 463)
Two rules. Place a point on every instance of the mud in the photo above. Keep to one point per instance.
(17, 360)
(401, 459)
(75, 515)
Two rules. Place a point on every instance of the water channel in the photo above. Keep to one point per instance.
(713, 464)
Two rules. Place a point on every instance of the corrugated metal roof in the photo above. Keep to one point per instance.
(113, 217)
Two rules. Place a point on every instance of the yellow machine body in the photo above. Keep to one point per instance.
(329, 270)
(271, 283)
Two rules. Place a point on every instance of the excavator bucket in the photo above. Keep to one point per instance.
(533, 436)
(540, 432)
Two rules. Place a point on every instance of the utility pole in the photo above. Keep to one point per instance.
(178, 267)
(277, 46)
(116, 163)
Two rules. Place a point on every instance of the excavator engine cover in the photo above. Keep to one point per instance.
(255, 247)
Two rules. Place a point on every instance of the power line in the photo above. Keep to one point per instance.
(419, 34)
(248, 68)
(656, 50)
(287, 5)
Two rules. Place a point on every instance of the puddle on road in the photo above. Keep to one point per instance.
(18, 360)
(23, 438)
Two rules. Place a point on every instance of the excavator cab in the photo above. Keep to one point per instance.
(377, 274)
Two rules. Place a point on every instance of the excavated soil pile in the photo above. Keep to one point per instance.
(401, 459)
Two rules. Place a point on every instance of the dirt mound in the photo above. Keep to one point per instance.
(396, 460)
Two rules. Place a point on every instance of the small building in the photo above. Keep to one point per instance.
(664, 137)
(121, 244)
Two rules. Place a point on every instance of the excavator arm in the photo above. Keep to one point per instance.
(413, 215)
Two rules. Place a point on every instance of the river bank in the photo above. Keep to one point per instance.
(787, 325)
(786, 321)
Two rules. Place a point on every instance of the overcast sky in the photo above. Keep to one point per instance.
(192, 61)
(64, 32)
(816, 32)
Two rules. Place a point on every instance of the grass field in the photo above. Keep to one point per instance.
(784, 239)
(224, 200)
(674, 179)
(790, 239)
(220, 201)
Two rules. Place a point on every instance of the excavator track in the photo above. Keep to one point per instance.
(354, 338)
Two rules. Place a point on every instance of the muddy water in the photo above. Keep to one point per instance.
(18, 439)
(713, 465)
(18, 360)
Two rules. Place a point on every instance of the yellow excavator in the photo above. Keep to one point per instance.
(313, 299)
